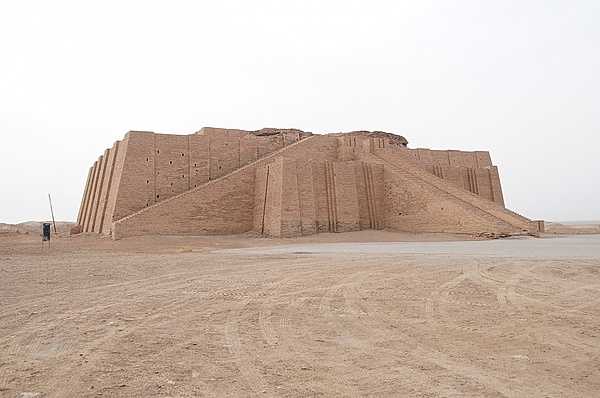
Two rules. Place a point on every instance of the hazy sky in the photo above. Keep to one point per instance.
(518, 78)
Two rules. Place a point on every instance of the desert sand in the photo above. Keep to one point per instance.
(333, 315)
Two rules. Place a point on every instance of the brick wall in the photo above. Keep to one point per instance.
(222, 206)
(345, 196)
(415, 207)
(111, 199)
(137, 184)
(106, 185)
(498, 219)
(221, 181)
(298, 197)
(472, 171)
(148, 168)
(91, 200)
(85, 195)
(228, 204)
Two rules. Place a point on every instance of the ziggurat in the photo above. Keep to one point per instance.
(286, 183)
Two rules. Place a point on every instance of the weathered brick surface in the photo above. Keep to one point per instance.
(498, 219)
(272, 208)
(111, 199)
(91, 205)
(97, 204)
(284, 182)
(106, 186)
(199, 159)
(171, 165)
(88, 197)
(137, 185)
(306, 198)
(472, 171)
(84, 198)
(322, 206)
(346, 196)
(226, 204)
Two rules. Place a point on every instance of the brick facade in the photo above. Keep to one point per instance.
(290, 183)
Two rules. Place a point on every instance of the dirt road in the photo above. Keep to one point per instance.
(185, 317)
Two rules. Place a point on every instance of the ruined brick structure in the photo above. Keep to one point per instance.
(280, 182)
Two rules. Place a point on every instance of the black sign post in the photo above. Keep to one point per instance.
(46, 233)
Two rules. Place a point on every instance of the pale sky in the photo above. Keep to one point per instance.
(518, 78)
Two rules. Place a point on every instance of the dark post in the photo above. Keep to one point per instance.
(52, 212)
(46, 233)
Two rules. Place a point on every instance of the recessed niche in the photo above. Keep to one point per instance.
(170, 162)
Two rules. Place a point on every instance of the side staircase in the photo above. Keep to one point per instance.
(401, 164)
(216, 181)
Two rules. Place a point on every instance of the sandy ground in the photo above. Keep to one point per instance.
(572, 228)
(242, 316)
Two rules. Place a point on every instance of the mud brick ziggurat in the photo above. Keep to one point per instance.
(285, 183)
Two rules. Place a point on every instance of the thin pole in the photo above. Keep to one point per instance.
(52, 211)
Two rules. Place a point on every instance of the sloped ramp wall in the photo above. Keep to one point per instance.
(146, 168)
(397, 161)
(413, 206)
(418, 201)
(225, 205)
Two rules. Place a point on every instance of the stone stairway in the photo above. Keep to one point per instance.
(264, 159)
(402, 164)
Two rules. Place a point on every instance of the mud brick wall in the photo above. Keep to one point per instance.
(323, 216)
(410, 206)
(495, 218)
(291, 224)
(484, 182)
(137, 183)
(345, 196)
(472, 171)
(473, 159)
(147, 168)
(89, 200)
(227, 204)
(295, 197)
(223, 206)
(84, 197)
(369, 187)
(120, 149)
(280, 183)
(199, 160)
(104, 191)
(171, 165)
(496, 188)
(101, 190)
(269, 197)
(306, 197)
